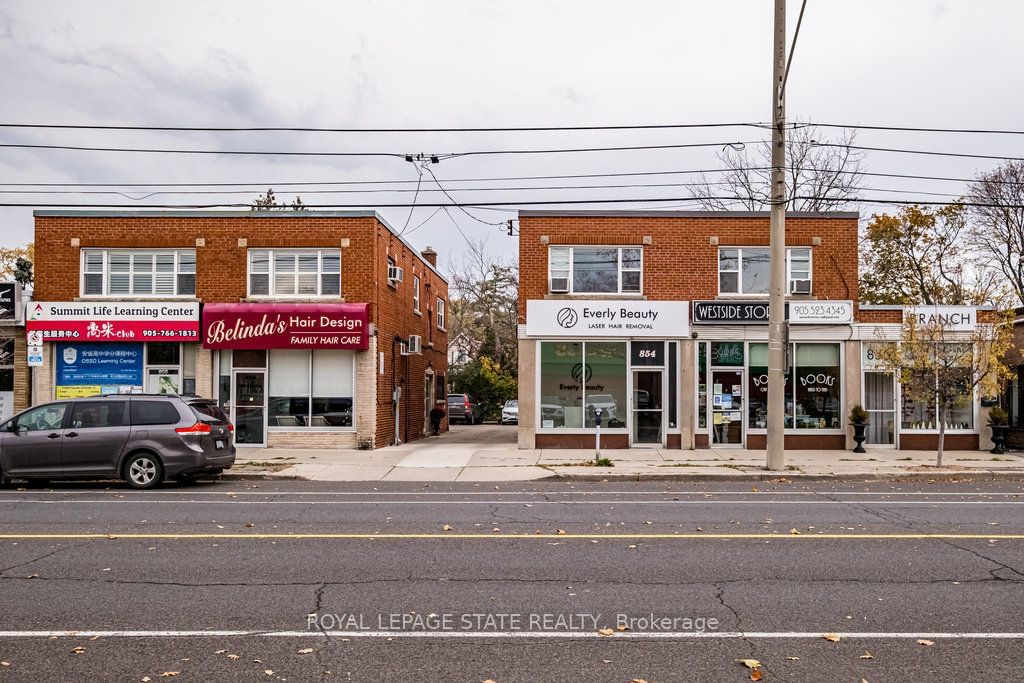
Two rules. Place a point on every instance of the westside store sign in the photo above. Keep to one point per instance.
(560, 318)
(114, 321)
(726, 312)
(286, 326)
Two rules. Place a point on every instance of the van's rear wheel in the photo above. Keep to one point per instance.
(143, 471)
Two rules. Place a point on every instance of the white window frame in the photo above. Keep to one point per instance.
(568, 273)
(416, 295)
(789, 268)
(739, 271)
(440, 315)
(272, 274)
(105, 273)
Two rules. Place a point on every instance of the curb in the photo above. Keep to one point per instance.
(794, 477)
(259, 476)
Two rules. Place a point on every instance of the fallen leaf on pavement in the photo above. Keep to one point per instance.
(146, 679)
(750, 663)
(831, 637)
(32, 576)
(249, 525)
(5, 663)
(605, 631)
(78, 650)
(793, 659)
(621, 627)
(560, 532)
(269, 672)
(925, 642)
(220, 652)
(170, 674)
(755, 675)
(496, 530)
(234, 656)
(305, 651)
(446, 527)
(638, 680)
(867, 655)
(631, 547)
(794, 532)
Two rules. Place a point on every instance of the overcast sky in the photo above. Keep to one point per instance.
(451, 64)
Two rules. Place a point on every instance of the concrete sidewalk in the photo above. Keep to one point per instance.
(488, 453)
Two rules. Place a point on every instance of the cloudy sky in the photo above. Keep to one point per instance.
(479, 64)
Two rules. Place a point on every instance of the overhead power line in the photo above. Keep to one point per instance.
(263, 185)
(498, 129)
(926, 152)
(400, 155)
(502, 203)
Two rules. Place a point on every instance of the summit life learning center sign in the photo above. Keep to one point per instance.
(562, 318)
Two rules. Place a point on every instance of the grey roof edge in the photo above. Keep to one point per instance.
(686, 214)
(201, 213)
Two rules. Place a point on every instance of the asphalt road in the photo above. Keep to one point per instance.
(512, 582)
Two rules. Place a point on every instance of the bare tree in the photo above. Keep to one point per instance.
(818, 178)
(997, 222)
(268, 202)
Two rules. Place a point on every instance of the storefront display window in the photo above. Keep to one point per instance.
(605, 386)
(818, 386)
(310, 388)
(561, 384)
(925, 415)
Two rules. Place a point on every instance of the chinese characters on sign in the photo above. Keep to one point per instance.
(99, 322)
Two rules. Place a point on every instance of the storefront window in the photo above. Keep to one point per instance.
(310, 388)
(818, 386)
(561, 384)
(606, 383)
(332, 388)
(925, 415)
(288, 380)
(727, 353)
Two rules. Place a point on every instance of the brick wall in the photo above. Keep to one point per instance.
(681, 263)
(221, 273)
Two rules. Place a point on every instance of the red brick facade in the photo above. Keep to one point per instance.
(680, 262)
(221, 242)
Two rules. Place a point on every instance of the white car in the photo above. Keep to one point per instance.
(510, 412)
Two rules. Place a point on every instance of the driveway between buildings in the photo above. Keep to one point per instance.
(482, 453)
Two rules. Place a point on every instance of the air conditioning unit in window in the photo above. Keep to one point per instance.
(559, 284)
(800, 286)
(395, 274)
(415, 344)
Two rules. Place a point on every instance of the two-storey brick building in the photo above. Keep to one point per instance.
(659, 321)
(311, 328)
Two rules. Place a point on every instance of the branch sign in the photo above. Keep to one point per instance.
(951, 318)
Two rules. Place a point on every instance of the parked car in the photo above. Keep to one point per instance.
(141, 438)
(462, 408)
(510, 412)
(552, 411)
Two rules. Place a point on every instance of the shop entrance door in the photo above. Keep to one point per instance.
(727, 407)
(880, 402)
(249, 407)
(648, 412)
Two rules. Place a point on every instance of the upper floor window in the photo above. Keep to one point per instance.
(294, 272)
(416, 293)
(136, 272)
(440, 313)
(747, 270)
(595, 270)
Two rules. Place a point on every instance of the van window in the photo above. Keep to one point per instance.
(88, 414)
(154, 413)
(209, 412)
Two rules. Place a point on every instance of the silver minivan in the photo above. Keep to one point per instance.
(141, 438)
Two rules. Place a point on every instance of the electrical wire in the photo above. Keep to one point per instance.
(926, 152)
(399, 155)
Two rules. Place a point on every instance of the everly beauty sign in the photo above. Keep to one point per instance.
(286, 326)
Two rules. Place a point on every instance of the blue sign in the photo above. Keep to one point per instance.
(99, 364)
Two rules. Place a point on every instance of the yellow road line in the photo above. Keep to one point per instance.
(503, 536)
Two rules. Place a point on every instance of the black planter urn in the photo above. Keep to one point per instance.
(999, 439)
(859, 436)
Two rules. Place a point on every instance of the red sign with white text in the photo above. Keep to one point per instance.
(286, 326)
(112, 321)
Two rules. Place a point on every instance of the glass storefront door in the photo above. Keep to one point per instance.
(727, 407)
(249, 408)
(880, 402)
(648, 413)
